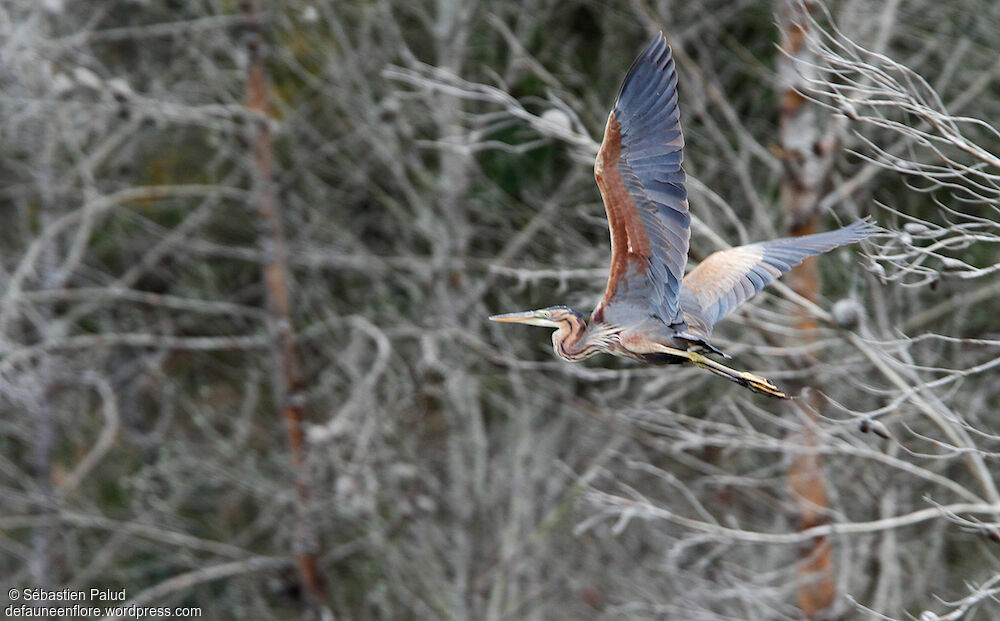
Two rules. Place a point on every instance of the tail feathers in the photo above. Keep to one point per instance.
(749, 380)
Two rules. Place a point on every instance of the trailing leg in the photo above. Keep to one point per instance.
(753, 382)
(749, 380)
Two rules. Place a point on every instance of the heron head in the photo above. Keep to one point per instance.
(551, 317)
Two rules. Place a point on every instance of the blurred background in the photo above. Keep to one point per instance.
(249, 248)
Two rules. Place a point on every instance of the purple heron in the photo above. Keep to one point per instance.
(651, 311)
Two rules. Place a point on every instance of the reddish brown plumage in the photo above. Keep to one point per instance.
(629, 241)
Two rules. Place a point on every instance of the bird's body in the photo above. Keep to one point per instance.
(651, 311)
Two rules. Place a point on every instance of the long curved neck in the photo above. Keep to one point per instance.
(572, 340)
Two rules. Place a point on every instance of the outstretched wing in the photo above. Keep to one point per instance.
(639, 172)
(728, 278)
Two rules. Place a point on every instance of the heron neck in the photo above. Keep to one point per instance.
(572, 340)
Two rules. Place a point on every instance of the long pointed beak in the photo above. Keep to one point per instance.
(531, 318)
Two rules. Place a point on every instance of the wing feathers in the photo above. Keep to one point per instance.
(728, 278)
(642, 183)
(639, 171)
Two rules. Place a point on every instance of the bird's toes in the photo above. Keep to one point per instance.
(760, 385)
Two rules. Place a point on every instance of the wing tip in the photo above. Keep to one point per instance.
(657, 48)
(860, 229)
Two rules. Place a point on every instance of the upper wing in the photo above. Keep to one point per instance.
(728, 278)
(639, 172)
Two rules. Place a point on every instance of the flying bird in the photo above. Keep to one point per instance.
(651, 311)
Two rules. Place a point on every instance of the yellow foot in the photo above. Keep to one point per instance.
(760, 385)
(749, 380)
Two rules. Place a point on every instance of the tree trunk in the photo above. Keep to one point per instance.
(288, 378)
(807, 154)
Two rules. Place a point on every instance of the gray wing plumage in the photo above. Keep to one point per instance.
(639, 172)
(728, 278)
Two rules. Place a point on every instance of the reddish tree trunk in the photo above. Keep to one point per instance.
(272, 239)
(807, 156)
